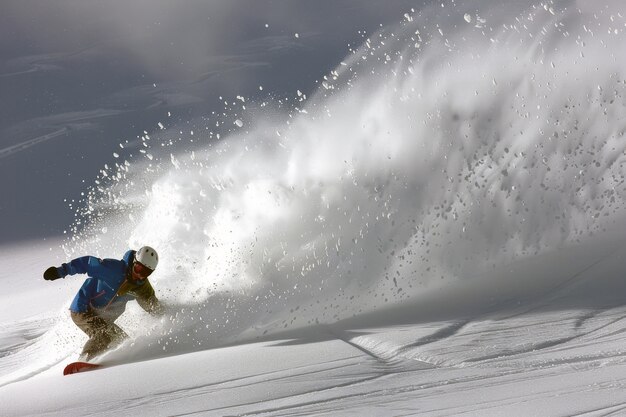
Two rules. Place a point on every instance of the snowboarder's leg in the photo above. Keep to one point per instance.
(102, 334)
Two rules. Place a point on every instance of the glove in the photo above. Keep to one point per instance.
(51, 274)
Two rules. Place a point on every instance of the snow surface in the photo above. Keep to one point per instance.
(439, 230)
(559, 353)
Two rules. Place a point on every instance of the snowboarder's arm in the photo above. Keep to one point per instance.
(152, 305)
(82, 265)
(148, 301)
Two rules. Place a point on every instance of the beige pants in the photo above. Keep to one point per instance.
(103, 334)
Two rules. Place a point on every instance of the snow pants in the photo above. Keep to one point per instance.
(103, 334)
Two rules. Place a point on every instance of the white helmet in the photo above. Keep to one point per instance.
(147, 256)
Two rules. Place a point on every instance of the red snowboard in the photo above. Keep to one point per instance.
(76, 367)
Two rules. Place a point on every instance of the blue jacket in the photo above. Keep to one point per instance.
(107, 286)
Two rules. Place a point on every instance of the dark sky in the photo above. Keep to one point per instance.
(78, 77)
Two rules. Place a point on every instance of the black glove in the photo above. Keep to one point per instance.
(51, 274)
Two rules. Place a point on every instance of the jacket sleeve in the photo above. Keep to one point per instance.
(83, 265)
(148, 301)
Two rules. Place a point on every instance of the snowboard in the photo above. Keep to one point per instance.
(76, 367)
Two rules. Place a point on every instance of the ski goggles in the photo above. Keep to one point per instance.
(141, 270)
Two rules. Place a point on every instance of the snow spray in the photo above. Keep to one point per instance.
(466, 137)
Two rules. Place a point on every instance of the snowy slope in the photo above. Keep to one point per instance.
(553, 355)
(438, 230)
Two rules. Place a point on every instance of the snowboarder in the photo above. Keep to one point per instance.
(104, 294)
